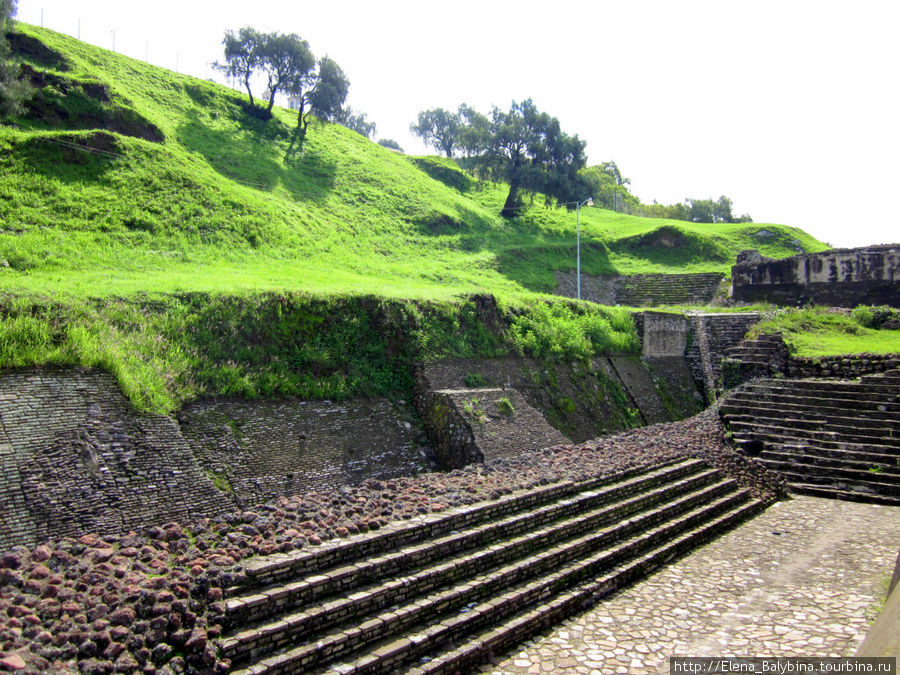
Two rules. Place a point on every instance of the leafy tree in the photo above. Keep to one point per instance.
(12, 90)
(356, 121)
(286, 60)
(527, 149)
(611, 170)
(319, 92)
(390, 143)
(439, 128)
(242, 56)
(608, 187)
(709, 211)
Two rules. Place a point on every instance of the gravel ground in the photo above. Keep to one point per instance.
(152, 601)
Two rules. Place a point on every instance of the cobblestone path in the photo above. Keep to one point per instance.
(804, 578)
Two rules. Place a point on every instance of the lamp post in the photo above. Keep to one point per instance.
(587, 202)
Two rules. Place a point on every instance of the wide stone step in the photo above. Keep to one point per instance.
(847, 426)
(854, 474)
(456, 627)
(459, 561)
(845, 389)
(797, 407)
(843, 495)
(288, 566)
(862, 406)
(439, 591)
(865, 487)
(259, 603)
(838, 459)
(475, 650)
(828, 433)
(751, 442)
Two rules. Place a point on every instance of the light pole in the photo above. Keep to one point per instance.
(587, 202)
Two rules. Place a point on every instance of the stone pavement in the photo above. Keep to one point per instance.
(804, 578)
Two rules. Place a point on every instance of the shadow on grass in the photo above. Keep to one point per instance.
(71, 158)
(532, 266)
(239, 154)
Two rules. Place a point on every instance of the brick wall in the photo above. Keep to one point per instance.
(86, 462)
(75, 457)
(262, 449)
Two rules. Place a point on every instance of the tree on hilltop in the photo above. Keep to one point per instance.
(285, 59)
(439, 128)
(315, 87)
(357, 121)
(609, 187)
(528, 150)
(319, 92)
(242, 56)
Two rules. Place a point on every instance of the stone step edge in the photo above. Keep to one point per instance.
(831, 425)
(240, 609)
(793, 443)
(731, 407)
(312, 654)
(866, 404)
(697, 486)
(276, 566)
(826, 492)
(821, 386)
(553, 612)
(830, 462)
(836, 474)
(394, 651)
(769, 430)
(865, 486)
(833, 454)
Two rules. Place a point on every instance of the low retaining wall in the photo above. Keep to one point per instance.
(75, 457)
(641, 290)
(848, 366)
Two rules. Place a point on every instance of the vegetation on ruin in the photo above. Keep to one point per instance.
(151, 226)
(825, 331)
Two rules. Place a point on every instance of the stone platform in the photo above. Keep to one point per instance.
(804, 578)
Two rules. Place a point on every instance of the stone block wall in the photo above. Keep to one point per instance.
(257, 450)
(845, 367)
(79, 459)
(641, 290)
(710, 336)
(483, 424)
(662, 333)
(838, 278)
(75, 457)
(580, 400)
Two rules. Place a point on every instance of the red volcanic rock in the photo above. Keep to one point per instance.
(122, 616)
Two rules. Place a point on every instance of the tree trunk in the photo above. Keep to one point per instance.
(509, 208)
(249, 92)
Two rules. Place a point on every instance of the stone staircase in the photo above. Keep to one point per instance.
(764, 356)
(645, 290)
(830, 438)
(442, 593)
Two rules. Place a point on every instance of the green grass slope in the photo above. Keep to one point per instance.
(126, 177)
(151, 227)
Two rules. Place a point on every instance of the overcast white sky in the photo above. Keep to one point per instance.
(789, 107)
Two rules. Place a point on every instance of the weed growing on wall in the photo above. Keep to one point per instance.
(167, 349)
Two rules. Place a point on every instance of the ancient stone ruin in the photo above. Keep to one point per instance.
(839, 278)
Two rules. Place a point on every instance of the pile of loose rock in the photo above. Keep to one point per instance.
(153, 601)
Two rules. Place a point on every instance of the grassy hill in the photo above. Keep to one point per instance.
(185, 191)
(151, 226)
